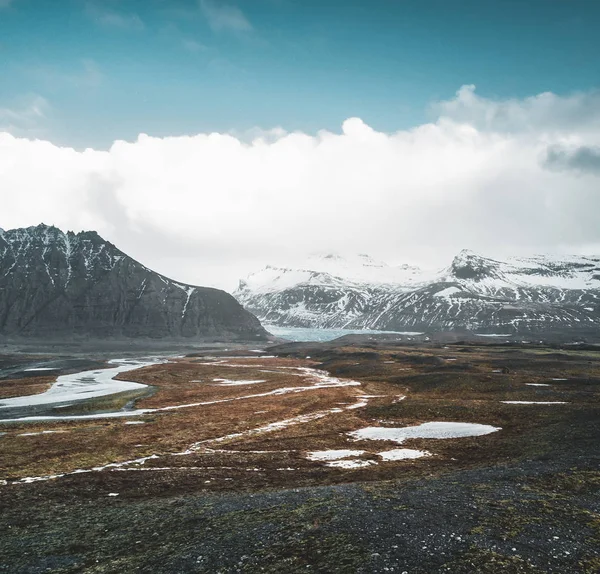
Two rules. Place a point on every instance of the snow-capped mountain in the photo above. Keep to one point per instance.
(520, 295)
(55, 284)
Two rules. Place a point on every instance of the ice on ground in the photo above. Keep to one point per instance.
(535, 402)
(83, 385)
(437, 430)
(40, 369)
(41, 432)
(320, 380)
(494, 334)
(135, 423)
(363, 402)
(232, 383)
(113, 494)
(403, 454)
(350, 463)
(113, 415)
(560, 379)
(323, 455)
(537, 385)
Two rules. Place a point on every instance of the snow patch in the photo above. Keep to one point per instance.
(435, 430)
(350, 463)
(326, 455)
(535, 402)
(403, 454)
(40, 369)
(232, 383)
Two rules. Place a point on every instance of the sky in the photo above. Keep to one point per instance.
(207, 138)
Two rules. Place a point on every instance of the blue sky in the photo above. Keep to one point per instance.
(85, 73)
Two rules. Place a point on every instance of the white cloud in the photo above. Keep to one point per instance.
(224, 17)
(543, 112)
(24, 116)
(111, 18)
(209, 208)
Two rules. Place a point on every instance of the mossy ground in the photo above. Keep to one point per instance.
(524, 499)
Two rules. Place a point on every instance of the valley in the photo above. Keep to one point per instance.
(341, 455)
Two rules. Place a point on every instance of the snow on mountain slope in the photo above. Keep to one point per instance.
(526, 295)
(333, 270)
(57, 285)
(570, 272)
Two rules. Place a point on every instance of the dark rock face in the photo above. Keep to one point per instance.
(529, 296)
(57, 285)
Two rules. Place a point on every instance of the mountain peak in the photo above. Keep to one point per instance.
(78, 284)
(468, 265)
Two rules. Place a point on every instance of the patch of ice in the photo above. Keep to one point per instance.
(403, 454)
(535, 402)
(494, 334)
(40, 369)
(42, 432)
(115, 415)
(363, 402)
(232, 383)
(350, 463)
(537, 384)
(113, 494)
(560, 379)
(436, 430)
(135, 422)
(324, 455)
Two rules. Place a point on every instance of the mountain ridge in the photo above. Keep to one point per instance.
(533, 294)
(57, 284)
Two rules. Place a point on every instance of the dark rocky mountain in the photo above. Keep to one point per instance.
(57, 285)
(536, 295)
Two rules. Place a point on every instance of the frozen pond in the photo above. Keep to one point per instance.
(437, 430)
(83, 386)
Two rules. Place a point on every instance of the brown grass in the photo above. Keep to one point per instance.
(464, 390)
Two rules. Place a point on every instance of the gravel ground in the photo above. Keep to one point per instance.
(541, 516)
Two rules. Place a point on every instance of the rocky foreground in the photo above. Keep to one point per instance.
(256, 462)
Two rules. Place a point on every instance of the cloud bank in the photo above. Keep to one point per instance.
(517, 176)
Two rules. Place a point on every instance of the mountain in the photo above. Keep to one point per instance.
(520, 295)
(56, 285)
